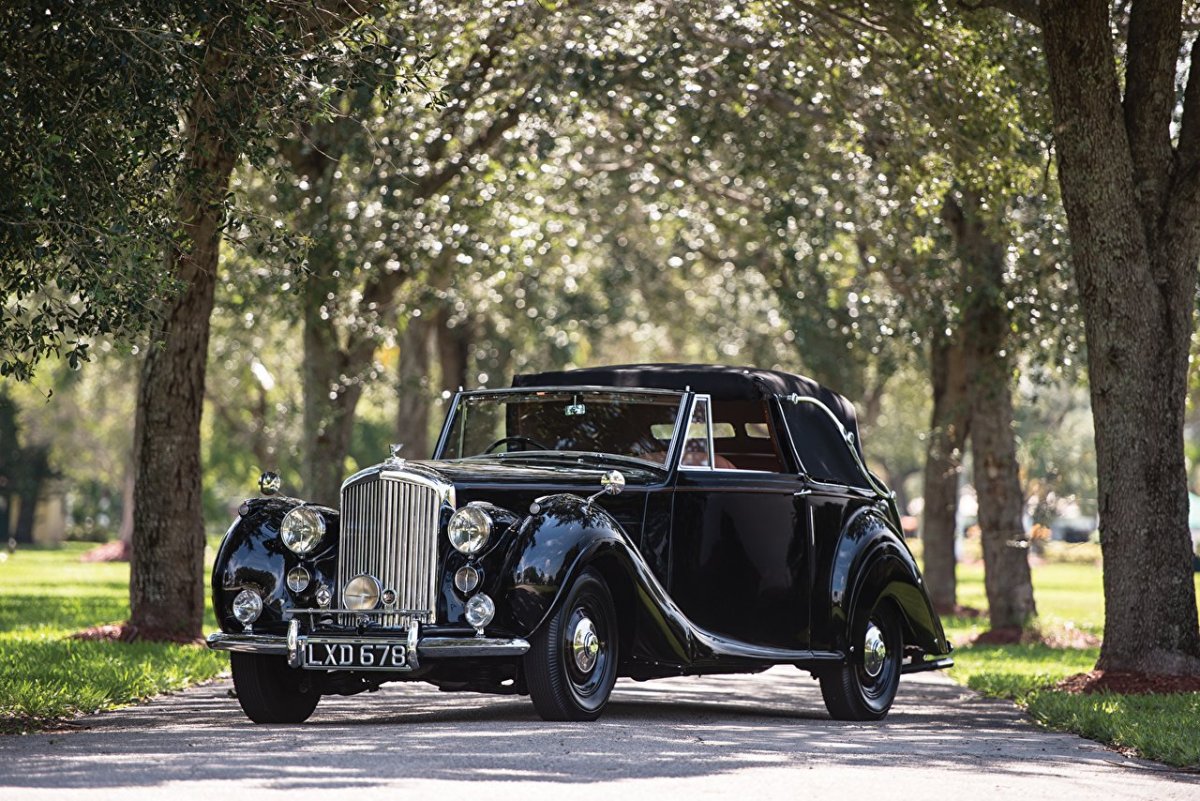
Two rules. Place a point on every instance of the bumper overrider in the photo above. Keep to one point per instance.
(321, 651)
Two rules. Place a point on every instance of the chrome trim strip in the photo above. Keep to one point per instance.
(684, 405)
(712, 457)
(445, 434)
(248, 643)
(289, 613)
(433, 647)
(449, 647)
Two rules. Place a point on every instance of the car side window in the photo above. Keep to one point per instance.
(696, 450)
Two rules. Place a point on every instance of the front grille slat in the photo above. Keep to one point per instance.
(389, 531)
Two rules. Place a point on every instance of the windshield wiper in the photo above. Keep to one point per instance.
(595, 456)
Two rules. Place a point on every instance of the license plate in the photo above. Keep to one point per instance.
(355, 656)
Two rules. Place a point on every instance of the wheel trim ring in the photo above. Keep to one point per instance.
(584, 685)
(875, 651)
(585, 645)
(875, 689)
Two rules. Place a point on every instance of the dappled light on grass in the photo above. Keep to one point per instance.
(1162, 727)
(1070, 601)
(45, 676)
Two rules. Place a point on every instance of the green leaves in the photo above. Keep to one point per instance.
(91, 143)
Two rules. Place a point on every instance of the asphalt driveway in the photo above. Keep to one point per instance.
(764, 736)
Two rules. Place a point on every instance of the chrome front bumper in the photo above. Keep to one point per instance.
(293, 645)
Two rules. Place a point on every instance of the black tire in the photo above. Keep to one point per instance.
(270, 691)
(856, 690)
(560, 687)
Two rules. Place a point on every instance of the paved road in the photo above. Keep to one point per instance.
(757, 737)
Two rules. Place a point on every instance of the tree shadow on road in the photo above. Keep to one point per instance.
(679, 728)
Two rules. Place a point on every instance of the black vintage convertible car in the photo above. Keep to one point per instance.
(641, 521)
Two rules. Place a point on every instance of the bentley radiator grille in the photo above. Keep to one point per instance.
(389, 530)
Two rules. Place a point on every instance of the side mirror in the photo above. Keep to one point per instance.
(613, 482)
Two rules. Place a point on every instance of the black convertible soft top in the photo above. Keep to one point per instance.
(816, 438)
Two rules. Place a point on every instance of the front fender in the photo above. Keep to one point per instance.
(252, 556)
(872, 562)
(551, 547)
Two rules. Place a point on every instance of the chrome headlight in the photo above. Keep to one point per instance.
(247, 606)
(361, 593)
(480, 610)
(469, 530)
(302, 529)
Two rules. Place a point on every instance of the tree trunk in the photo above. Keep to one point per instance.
(1131, 203)
(330, 400)
(453, 348)
(1007, 579)
(166, 585)
(943, 465)
(331, 385)
(35, 466)
(413, 389)
(984, 329)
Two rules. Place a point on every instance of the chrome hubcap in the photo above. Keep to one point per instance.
(585, 645)
(874, 651)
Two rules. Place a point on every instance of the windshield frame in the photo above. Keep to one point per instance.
(684, 406)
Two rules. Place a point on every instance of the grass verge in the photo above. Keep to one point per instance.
(1165, 728)
(45, 676)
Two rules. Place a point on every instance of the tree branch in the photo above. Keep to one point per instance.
(1183, 197)
(1152, 48)
(1029, 11)
(480, 144)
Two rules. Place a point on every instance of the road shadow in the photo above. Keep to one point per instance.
(678, 728)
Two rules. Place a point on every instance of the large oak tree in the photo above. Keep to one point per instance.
(1128, 149)
(252, 54)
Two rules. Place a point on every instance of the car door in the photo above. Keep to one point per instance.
(741, 543)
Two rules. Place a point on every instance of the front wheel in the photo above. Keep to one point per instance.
(865, 687)
(270, 691)
(571, 665)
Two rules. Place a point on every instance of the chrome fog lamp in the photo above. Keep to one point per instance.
(480, 611)
(298, 578)
(361, 593)
(247, 606)
(469, 529)
(466, 578)
(302, 529)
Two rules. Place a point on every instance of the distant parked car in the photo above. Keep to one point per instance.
(642, 521)
(1073, 529)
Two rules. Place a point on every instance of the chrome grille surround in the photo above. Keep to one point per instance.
(390, 523)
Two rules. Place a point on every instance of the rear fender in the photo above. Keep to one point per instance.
(871, 563)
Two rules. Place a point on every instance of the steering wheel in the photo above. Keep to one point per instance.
(517, 438)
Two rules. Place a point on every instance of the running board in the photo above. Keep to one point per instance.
(724, 647)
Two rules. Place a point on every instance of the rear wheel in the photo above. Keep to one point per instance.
(571, 665)
(865, 687)
(270, 691)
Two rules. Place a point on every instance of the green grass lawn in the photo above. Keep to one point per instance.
(1161, 727)
(46, 677)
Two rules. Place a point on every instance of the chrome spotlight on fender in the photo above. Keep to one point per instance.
(269, 483)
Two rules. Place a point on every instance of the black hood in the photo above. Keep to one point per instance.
(565, 471)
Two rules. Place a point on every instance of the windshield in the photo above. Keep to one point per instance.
(637, 425)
